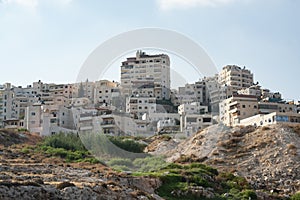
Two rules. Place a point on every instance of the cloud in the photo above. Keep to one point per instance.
(24, 3)
(33, 4)
(185, 4)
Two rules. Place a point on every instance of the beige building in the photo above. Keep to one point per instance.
(236, 108)
(236, 77)
(105, 91)
(145, 66)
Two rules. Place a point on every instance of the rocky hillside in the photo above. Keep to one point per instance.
(268, 157)
(25, 175)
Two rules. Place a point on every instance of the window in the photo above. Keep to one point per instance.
(244, 106)
(33, 114)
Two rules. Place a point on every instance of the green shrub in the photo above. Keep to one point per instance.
(296, 196)
(248, 194)
(120, 162)
(128, 144)
(65, 141)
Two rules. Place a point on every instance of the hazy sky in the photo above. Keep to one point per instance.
(49, 40)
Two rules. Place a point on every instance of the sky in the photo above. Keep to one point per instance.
(49, 40)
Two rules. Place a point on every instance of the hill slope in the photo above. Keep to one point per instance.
(268, 157)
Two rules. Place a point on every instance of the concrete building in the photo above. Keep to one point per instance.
(193, 117)
(230, 80)
(266, 107)
(192, 123)
(192, 108)
(138, 106)
(235, 76)
(254, 90)
(7, 102)
(271, 118)
(236, 108)
(199, 91)
(105, 91)
(298, 106)
(145, 66)
(167, 126)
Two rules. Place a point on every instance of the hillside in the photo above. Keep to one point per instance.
(28, 173)
(217, 163)
(268, 157)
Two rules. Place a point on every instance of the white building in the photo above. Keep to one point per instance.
(192, 123)
(167, 126)
(192, 108)
(271, 118)
(145, 66)
(138, 106)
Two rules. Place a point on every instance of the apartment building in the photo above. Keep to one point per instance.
(138, 106)
(192, 123)
(84, 89)
(236, 77)
(271, 118)
(192, 108)
(230, 79)
(145, 66)
(7, 102)
(167, 126)
(193, 117)
(238, 107)
(266, 107)
(254, 90)
(105, 91)
(143, 87)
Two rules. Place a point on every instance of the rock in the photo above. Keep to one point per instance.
(63, 185)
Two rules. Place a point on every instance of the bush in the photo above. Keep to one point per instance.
(128, 144)
(296, 196)
(120, 162)
(248, 194)
(65, 141)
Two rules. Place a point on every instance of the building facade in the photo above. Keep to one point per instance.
(143, 67)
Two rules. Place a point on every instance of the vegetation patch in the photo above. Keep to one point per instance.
(183, 181)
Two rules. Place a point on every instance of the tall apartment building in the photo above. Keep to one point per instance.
(230, 79)
(235, 76)
(145, 66)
